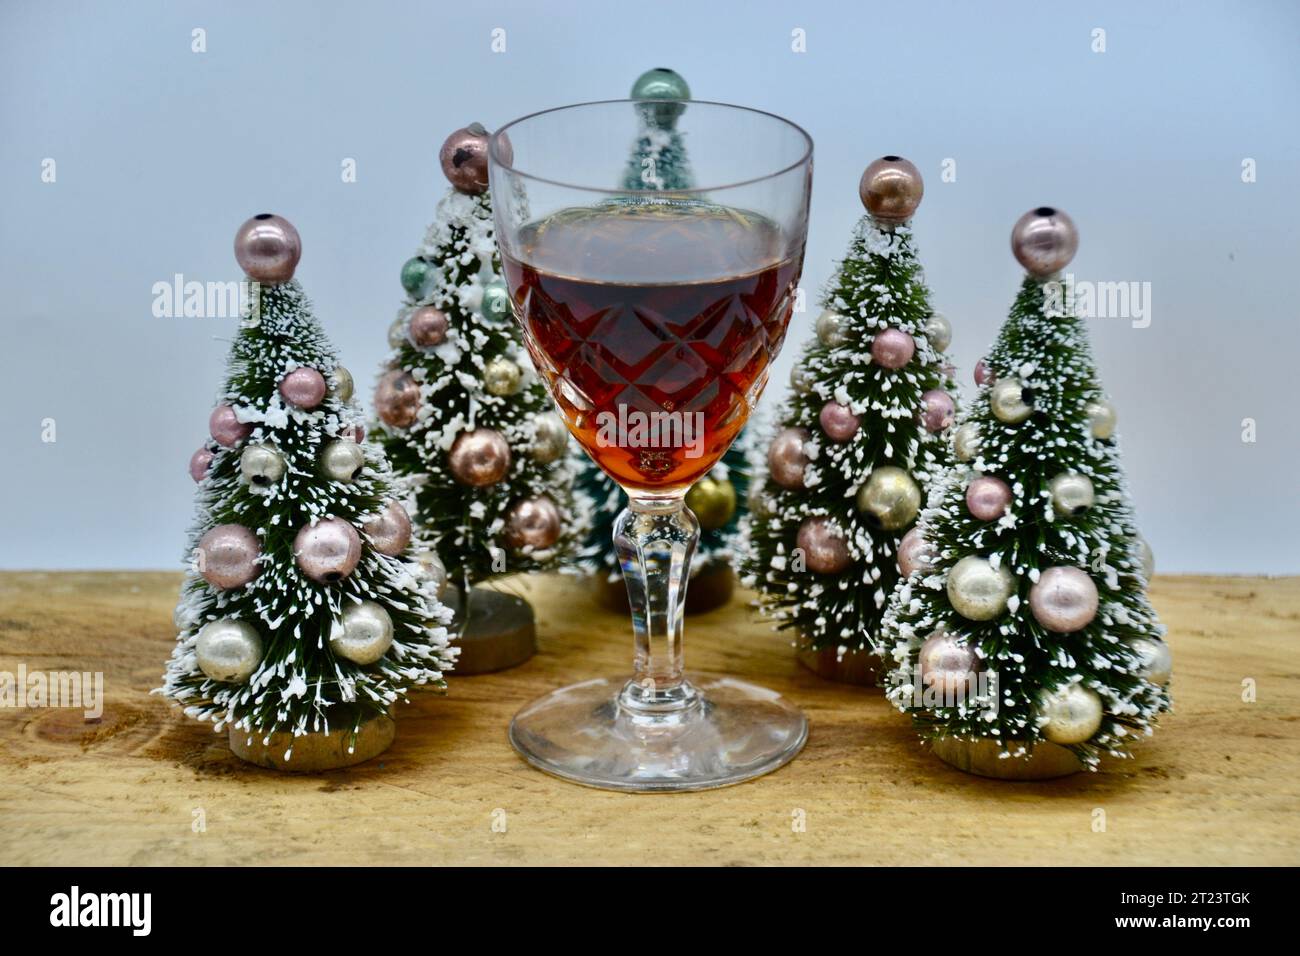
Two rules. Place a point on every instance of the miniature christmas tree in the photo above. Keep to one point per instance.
(306, 614)
(862, 437)
(658, 162)
(464, 418)
(1023, 640)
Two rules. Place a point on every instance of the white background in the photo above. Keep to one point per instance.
(162, 152)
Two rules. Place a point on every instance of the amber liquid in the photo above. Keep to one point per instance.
(633, 310)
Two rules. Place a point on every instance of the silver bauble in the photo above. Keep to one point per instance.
(550, 437)
(341, 460)
(341, 384)
(397, 333)
(966, 441)
(1071, 493)
(977, 590)
(502, 377)
(1157, 663)
(801, 381)
(946, 663)
(260, 466)
(890, 498)
(228, 650)
(364, 633)
(939, 331)
(1044, 240)
(1069, 715)
(1007, 401)
(830, 328)
(1147, 557)
(1102, 419)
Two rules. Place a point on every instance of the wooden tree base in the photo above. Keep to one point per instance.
(984, 758)
(709, 590)
(853, 667)
(312, 753)
(501, 631)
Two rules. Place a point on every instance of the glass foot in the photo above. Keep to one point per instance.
(726, 731)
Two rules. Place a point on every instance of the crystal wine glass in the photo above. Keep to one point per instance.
(654, 317)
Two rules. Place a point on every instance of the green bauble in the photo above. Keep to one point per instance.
(661, 83)
(414, 271)
(496, 301)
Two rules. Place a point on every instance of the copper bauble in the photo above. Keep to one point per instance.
(479, 457)
(464, 159)
(268, 248)
(427, 328)
(533, 523)
(891, 189)
(390, 530)
(397, 399)
(824, 548)
(838, 421)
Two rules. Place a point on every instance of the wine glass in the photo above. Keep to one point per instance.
(654, 317)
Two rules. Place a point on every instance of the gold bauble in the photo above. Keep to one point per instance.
(1070, 715)
(502, 377)
(713, 502)
(890, 498)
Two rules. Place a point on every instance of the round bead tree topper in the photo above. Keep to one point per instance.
(891, 189)
(464, 158)
(1044, 240)
(267, 248)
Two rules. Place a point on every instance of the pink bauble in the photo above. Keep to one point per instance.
(533, 523)
(228, 556)
(838, 422)
(397, 399)
(949, 663)
(914, 553)
(786, 459)
(225, 428)
(892, 348)
(427, 328)
(303, 387)
(937, 410)
(200, 462)
(983, 374)
(390, 532)
(327, 551)
(479, 457)
(1064, 599)
(268, 248)
(1044, 240)
(987, 497)
(823, 546)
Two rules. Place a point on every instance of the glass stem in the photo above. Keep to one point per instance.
(655, 540)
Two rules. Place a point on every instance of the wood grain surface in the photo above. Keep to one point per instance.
(1219, 783)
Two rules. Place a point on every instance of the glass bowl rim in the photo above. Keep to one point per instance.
(494, 148)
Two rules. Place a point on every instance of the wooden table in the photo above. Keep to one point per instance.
(1218, 784)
